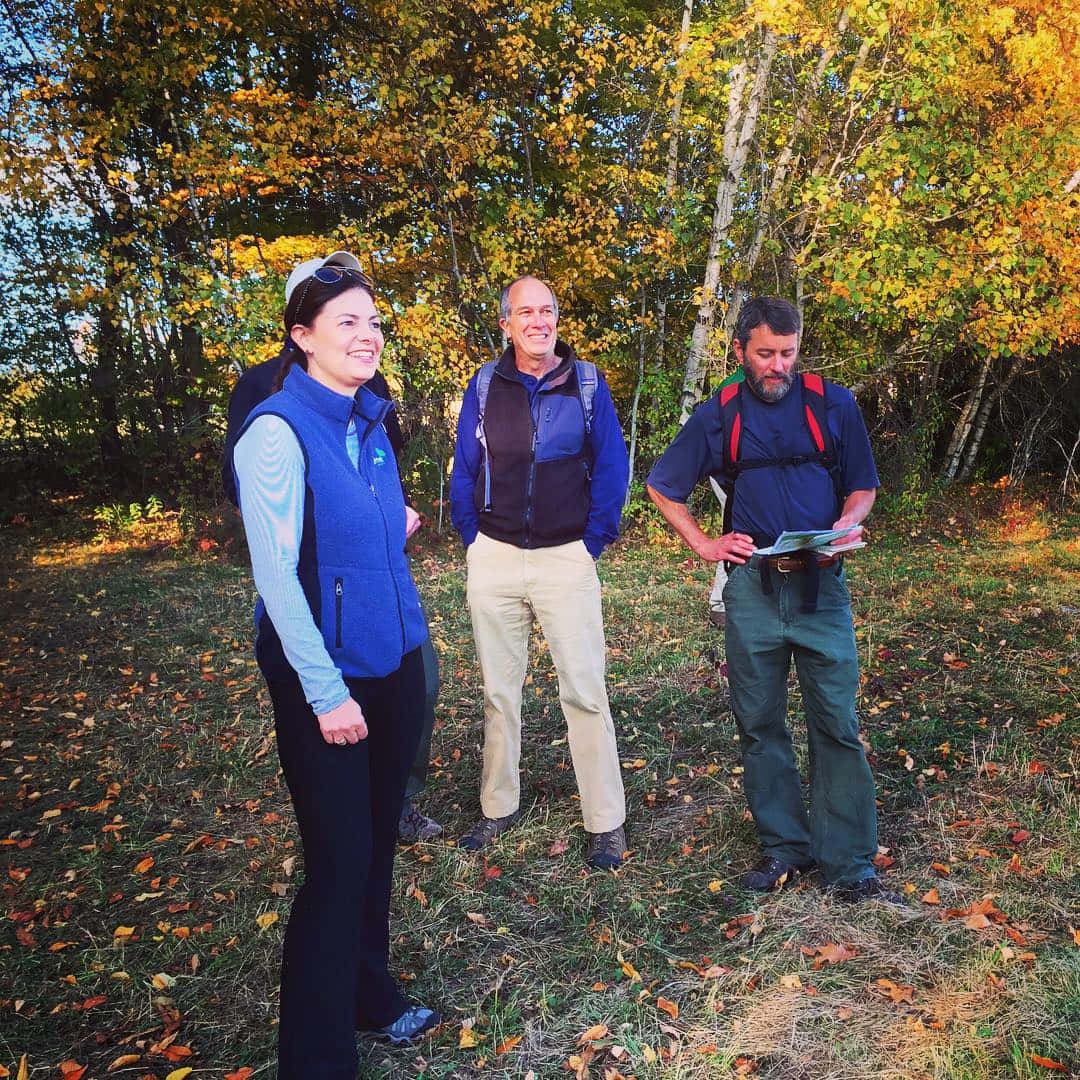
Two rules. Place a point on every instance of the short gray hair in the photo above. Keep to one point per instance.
(504, 296)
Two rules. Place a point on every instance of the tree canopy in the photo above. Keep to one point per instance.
(907, 171)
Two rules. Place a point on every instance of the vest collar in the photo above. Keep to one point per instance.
(365, 404)
(556, 377)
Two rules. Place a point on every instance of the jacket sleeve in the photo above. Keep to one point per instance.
(611, 473)
(468, 460)
(270, 475)
(253, 387)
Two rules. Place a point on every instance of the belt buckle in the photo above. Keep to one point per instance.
(780, 561)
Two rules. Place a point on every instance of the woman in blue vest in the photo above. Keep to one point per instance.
(339, 639)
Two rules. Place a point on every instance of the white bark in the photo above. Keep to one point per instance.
(954, 455)
(672, 178)
(742, 120)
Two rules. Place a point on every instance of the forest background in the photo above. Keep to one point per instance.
(908, 171)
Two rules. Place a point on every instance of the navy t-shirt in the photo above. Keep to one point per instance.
(773, 498)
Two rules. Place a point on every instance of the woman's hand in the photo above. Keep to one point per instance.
(343, 725)
(412, 521)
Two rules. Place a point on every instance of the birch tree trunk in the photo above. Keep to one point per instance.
(739, 132)
(979, 429)
(667, 211)
(954, 455)
(777, 186)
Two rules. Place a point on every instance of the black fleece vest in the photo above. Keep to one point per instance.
(540, 470)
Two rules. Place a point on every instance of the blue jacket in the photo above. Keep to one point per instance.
(352, 565)
(557, 438)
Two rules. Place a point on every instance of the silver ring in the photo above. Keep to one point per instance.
(341, 742)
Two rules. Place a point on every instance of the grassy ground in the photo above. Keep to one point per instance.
(148, 853)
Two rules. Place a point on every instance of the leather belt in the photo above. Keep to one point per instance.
(788, 564)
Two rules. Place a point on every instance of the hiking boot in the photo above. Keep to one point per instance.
(606, 849)
(867, 888)
(414, 826)
(718, 617)
(486, 830)
(410, 1025)
(772, 874)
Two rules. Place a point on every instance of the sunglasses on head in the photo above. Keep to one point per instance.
(331, 275)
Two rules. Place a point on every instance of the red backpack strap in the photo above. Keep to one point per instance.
(813, 395)
(729, 413)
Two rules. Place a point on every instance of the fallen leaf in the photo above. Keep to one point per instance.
(241, 1074)
(833, 954)
(630, 971)
(791, 982)
(559, 846)
(72, 1070)
(24, 1069)
(1047, 1063)
(1020, 836)
(597, 1031)
(124, 1059)
(144, 864)
(895, 992)
(266, 919)
(179, 1074)
(598, 986)
(669, 1007)
(844, 1013)
(931, 897)
(508, 1044)
(649, 1054)
(161, 981)
(978, 921)
(123, 931)
(467, 1038)
(176, 1052)
(1075, 935)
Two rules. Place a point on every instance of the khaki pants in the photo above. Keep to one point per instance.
(507, 586)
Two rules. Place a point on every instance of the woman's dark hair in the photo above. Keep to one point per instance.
(307, 300)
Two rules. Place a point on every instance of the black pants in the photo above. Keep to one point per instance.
(334, 977)
(418, 773)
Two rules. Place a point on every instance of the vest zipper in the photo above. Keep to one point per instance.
(339, 596)
(529, 485)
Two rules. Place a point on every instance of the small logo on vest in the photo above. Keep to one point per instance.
(379, 456)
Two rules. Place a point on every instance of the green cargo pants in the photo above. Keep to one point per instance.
(764, 630)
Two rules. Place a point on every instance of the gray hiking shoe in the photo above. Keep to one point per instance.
(486, 830)
(414, 826)
(606, 849)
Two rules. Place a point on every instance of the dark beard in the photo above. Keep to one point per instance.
(772, 394)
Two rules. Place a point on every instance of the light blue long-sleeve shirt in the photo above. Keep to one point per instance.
(269, 464)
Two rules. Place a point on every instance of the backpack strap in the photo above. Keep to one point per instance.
(587, 381)
(483, 385)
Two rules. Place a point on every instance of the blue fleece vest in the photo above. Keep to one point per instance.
(352, 564)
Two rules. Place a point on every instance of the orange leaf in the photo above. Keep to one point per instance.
(24, 1069)
(72, 1070)
(144, 864)
(598, 986)
(833, 954)
(1020, 836)
(1075, 936)
(669, 1007)
(176, 1052)
(1047, 1063)
(122, 1060)
(508, 1044)
(895, 992)
(597, 1031)
(240, 1074)
(631, 972)
(941, 868)
(931, 897)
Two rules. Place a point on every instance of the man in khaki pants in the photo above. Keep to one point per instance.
(540, 474)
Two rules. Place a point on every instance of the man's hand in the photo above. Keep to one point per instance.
(343, 725)
(412, 521)
(732, 547)
(857, 533)
(856, 506)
